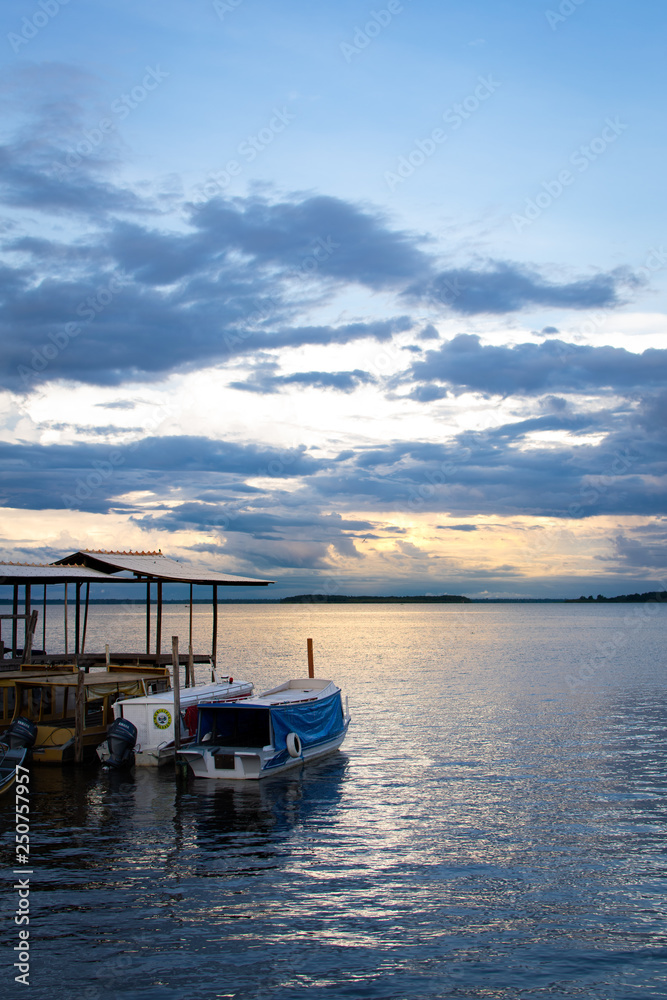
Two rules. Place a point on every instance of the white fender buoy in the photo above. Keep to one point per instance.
(293, 745)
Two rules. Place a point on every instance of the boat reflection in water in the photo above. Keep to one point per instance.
(257, 817)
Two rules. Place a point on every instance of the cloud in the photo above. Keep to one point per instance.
(264, 380)
(457, 527)
(97, 477)
(143, 283)
(636, 553)
(464, 364)
(505, 287)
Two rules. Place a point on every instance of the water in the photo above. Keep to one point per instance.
(494, 827)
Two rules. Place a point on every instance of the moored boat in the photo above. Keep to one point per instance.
(51, 703)
(15, 748)
(272, 732)
(153, 716)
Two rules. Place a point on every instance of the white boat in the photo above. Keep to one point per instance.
(153, 716)
(268, 733)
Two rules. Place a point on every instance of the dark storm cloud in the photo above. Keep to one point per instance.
(95, 476)
(135, 299)
(645, 548)
(263, 524)
(488, 473)
(506, 287)
(347, 243)
(464, 364)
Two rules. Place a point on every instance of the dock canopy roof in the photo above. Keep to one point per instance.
(20, 573)
(153, 566)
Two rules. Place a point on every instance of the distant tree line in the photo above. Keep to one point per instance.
(343, 599)
(651, 595)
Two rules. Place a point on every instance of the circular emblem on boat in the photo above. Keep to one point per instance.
(161, 718)
(293, 744)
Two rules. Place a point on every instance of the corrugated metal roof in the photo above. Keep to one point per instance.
(154, 566)
(12, 573)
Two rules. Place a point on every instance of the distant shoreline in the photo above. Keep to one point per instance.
(653, 595)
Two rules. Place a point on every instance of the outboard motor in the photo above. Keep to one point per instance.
(121, 741)
(22, 733)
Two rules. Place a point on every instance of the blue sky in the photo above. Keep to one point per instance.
(359, 298)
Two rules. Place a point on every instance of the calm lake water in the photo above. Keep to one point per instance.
(493, 828)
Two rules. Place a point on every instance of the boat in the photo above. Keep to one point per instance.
(15, 747)
(268, 733)
(51, 703)
(153, 717)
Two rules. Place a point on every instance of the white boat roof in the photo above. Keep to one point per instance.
(193, 695)
(294, 692)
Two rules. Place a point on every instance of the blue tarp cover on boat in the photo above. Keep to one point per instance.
(314, 722)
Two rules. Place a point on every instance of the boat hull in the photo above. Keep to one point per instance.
(10, 761)
(252, 764)
(56, 744)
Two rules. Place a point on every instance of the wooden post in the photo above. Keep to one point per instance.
(190, 682)
(31, 625)
(26, 611)
(190, 635)
(148, 616)
(158, 623)
(66, 648)
(79, 717)
(177, 692)
(85, 618)
(44, 622)
(77, 619)
(214, 640)
(107, 655)
(311, 665)
(15, 611)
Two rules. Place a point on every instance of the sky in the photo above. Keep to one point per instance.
(362, 299)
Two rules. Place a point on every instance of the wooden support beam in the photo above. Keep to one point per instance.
(65, 622)
(311, 663)
(158, 623)
(77, 620)
(214, 641)
(176, 683)
(31, 625)
(85, 619)
(26, 611)
(190, 633)
(79, 717)
(44, 621)
(148, 616)
(15, 611)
